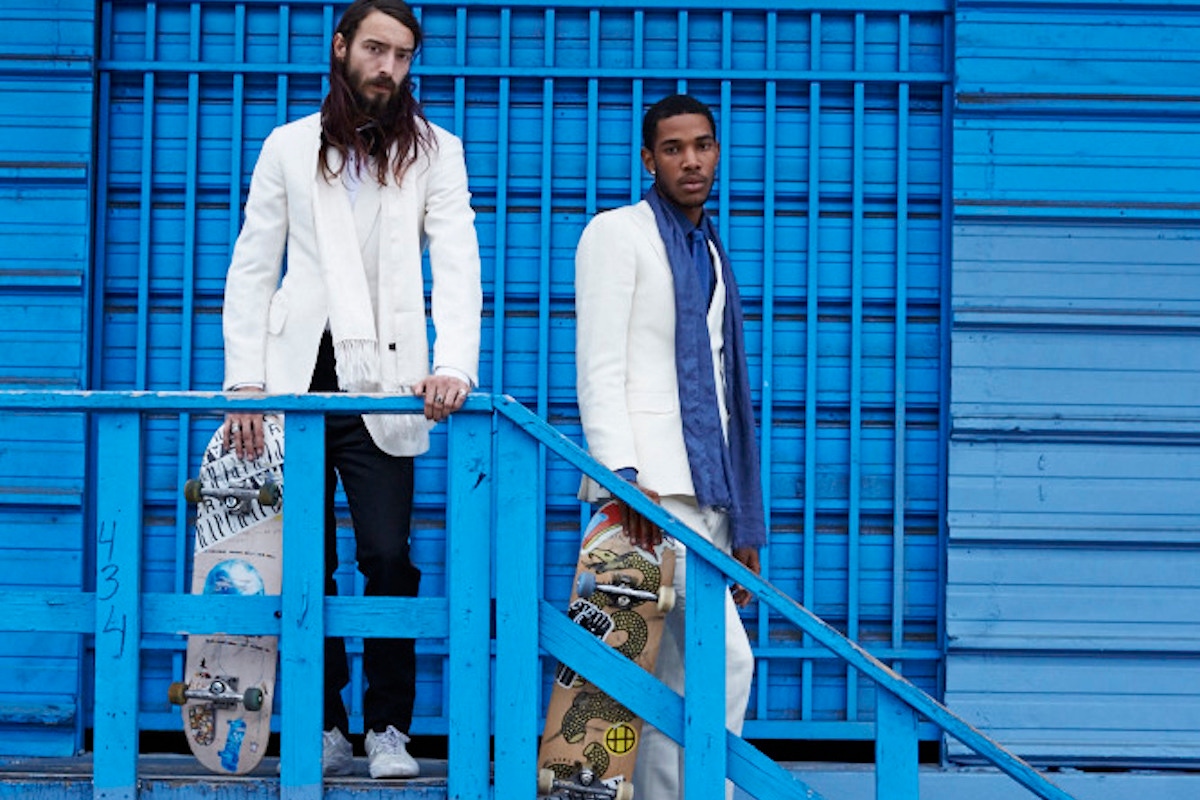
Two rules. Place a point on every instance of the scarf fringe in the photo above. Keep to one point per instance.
(357, 365)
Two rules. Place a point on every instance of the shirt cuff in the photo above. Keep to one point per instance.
(454, 373)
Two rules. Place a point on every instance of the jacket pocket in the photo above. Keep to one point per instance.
(277, 313)
(404, 349)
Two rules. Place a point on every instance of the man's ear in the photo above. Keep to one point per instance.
(648, 161)
(339, 47)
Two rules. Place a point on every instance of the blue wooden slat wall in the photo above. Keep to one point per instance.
(1074, 512)
(833, 198)
(46, 68)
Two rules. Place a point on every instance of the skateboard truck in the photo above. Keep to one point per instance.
(237, 499)
(221, 692)
(586, 787)
(624, 595)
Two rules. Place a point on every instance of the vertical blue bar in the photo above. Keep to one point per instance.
(638, 99)
(98, 283)
(237, 114)
(811, 354)
(327, 43)
(545, 268)
(518, 571)
(183, 459)
(188, 299)
(704, 744)
(593, 113)
(762, 629)
(468, 571)
(681, 50)
(460, 82)
(145, 207)
(118, 598)
(500, 318)
(854, 522)
(944, 318)
(546, 213)
(900, 465)
(896, 765)
(302, 634)
(281, 80)
(725, 134)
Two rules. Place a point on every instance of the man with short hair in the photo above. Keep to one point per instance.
(664, 392)
(354, 194)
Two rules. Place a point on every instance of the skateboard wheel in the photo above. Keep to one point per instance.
(177, 693)
(666, 598)
(585, 585)
(624, 791)
(545, 781)
(252, 699)
(191, 491)
(268, 494)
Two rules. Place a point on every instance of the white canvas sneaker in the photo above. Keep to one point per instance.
(387, 756)
(337, 754)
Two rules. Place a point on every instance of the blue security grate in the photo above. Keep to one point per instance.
(832, 198)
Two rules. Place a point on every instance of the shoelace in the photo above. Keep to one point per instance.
(391, 739)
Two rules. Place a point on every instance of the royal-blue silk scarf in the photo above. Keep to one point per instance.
(725, 476)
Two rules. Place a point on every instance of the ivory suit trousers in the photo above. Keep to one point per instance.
(659, 771)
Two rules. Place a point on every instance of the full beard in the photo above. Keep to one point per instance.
(383, 110)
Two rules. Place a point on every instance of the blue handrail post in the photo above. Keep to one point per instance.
(118, 602)
(468, 585)
(519, 575)
(704, 654)
(302, 639)
(896, 757)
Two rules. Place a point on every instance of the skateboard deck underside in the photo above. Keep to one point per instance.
(585, 728)
(238, 552)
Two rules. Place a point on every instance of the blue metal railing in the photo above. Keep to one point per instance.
(493, 450)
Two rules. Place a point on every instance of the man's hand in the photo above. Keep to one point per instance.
(444, 394)
(749, 557)
(244, 432)
(641, 531)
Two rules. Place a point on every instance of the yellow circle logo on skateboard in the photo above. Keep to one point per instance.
(620, 739)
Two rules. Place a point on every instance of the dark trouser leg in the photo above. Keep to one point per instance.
(379, 489)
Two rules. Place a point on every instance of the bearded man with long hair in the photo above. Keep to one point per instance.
(354, 194)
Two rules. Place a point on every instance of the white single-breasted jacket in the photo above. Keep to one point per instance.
(625, 350)
(276, 311)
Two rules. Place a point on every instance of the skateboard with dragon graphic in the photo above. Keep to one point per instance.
(621, 594)
(229, 680)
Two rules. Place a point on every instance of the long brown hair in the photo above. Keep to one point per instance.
(401, 129)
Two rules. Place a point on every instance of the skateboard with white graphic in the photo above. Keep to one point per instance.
(620, 595)
(229, 680)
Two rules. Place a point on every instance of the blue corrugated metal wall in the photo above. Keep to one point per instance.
(832, 199)
(46, 69)
(1074, 513)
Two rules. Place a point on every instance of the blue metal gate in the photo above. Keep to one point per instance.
(833, 198)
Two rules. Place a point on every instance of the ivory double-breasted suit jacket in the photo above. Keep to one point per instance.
(276, 301)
